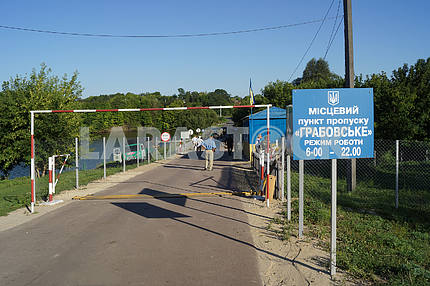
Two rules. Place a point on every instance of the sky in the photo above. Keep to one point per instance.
(386, 35)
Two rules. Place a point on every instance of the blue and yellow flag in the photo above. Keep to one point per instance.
(251, 94)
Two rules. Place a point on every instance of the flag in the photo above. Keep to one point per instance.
(251, 94)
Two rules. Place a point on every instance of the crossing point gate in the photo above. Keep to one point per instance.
(33, 112)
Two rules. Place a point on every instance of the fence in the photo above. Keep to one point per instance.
(395, 182)
(95, 160)
(384, 183)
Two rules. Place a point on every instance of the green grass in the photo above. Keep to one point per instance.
(376, 241)
(16, 193)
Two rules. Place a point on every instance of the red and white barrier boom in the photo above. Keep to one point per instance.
(33, 112)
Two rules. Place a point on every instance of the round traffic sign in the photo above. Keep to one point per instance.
(191, 132)
(165, 136)
(198, 130)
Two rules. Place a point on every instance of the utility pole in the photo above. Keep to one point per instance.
(349, 80)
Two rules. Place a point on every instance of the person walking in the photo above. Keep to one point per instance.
(199, 144)
(210, 147)
(258, 143)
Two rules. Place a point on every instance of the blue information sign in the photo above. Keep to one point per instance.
(332, 123)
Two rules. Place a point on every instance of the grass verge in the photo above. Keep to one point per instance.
(376, 241)
(16, 193)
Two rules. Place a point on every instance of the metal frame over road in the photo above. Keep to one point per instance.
(33, 112)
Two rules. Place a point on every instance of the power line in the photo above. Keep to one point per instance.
(310, 45)
(332, 31)
(332, 40)
(163, 36)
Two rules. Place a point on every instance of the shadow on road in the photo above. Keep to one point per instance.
(150, 211)
(147, 210)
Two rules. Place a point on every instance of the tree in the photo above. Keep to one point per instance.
(54, 133)
(278, 93)
(316, 71)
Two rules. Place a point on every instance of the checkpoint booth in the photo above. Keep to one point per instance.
(257, 123)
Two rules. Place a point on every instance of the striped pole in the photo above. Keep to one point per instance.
(32, 167)
(262, 166)
(148, 109)
(53, 174)
(50, 178)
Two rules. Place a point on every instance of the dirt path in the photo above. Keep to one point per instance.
(291, 262)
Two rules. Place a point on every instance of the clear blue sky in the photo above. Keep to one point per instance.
(387, 34)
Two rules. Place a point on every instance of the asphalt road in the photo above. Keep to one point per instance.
(175, 241)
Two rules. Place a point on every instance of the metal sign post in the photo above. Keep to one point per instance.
(333, 216)
(331, 124)
(301, 194)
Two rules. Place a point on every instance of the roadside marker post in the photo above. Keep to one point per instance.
(50, 177)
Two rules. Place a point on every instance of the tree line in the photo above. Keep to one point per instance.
(401, 100)
(401, 107)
